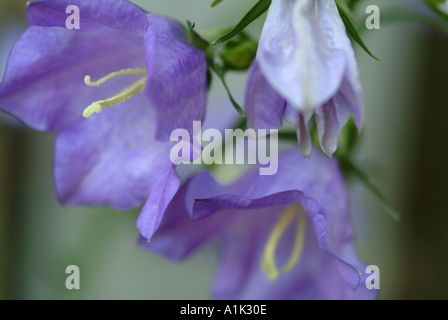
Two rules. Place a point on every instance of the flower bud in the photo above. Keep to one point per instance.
(238, 55)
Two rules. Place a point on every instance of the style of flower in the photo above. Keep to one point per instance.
(305, 66)
(120, 157)
(298, 218)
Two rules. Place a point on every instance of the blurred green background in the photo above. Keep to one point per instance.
(403, 149)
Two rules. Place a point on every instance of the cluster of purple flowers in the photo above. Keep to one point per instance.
(286, 236)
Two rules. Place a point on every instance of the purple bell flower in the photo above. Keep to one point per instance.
(285, 236)
(118, 158)
(305, 66)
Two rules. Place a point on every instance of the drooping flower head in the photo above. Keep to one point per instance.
(305, 66)
(286, 236)
(150, 74)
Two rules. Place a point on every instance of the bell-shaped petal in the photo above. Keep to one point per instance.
(176, 221)
(164, 184)
(330, 119)
(177, 76)
(241, 217)
(264, 106)
(49, 63)
(306, 57)
(302, 122)
(115, 158)
(304, 51)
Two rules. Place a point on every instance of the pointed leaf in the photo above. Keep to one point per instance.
(351, 30)
(216, 2)
(347, 9)
(261, 7)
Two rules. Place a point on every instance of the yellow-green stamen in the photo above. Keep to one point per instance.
(268, 260)
(123, 96)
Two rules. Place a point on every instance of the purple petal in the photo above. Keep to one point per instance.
(111, 159)
(324, 199)
(239, 275)
(351, 89)
(176, 221)
(116, 14)
(44, 80)
(164, 184)
(177, 73)
(330, 119)
(264, 107)
(241, 252)
(302, 122)
(248, 210)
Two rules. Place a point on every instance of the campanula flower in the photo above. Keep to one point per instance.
(305, 66)
(285, 236)
(150, 75)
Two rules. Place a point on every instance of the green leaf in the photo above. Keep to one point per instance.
(351, 30)
(347, 9)
(216, 2)
(350, 167)
(221, 75)
(440, 14)
(241, 124)
(261, 7)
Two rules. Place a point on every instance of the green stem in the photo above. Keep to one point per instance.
(348, 166)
